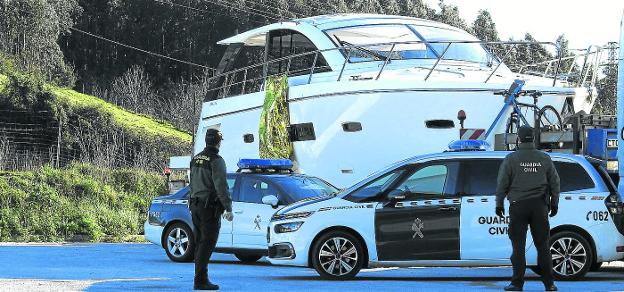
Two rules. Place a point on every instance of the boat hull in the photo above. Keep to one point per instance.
(392, 115)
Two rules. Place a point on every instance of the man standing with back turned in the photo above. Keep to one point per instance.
(209, 199)
(529, 180)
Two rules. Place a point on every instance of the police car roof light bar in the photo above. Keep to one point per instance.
(275, 164)
(468, 145)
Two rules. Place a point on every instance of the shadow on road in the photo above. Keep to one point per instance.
(434, 279)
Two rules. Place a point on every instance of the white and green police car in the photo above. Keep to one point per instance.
(438, 210)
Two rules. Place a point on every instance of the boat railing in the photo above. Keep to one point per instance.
(251, 78)
(577, 74)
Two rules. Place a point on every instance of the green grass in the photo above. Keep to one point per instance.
(136, 124)
(76, 203)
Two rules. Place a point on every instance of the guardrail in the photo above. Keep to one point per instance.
(251, 78)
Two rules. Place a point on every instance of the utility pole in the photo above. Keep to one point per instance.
(620, 109)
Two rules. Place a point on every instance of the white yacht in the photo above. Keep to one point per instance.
(366, 90)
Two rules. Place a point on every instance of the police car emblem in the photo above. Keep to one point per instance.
(258, 220)
(417, 227)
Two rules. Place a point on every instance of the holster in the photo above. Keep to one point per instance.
(547, 197)
(210, 203)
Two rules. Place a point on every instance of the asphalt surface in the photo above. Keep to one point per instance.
(106, 267)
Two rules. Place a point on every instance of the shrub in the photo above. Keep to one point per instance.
(80, 200)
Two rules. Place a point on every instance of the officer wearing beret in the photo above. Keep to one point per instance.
(530, 182)
(210, 198)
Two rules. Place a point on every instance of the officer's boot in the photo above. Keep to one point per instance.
(201, 283)
(513, 287)
(550, 287)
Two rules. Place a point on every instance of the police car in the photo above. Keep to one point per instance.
(257, 190)
(438, 210)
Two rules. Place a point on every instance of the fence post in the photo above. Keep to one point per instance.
(58, 144)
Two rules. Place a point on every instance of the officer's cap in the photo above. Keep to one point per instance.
(213, 137)
(525, 134)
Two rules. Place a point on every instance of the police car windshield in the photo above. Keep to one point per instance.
(301, 187)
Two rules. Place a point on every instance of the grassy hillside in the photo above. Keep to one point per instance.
(106, 199)
(77, 202)
(137, 124)
(99, 132)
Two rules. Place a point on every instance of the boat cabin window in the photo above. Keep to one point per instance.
(249, 80)
(285, 43)
(240, 76)
(374, 42)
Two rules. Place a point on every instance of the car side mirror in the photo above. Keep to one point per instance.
(396, 195)
(271, 200)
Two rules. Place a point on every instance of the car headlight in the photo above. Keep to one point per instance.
(287, 216)
(612, 165)
(288, 227)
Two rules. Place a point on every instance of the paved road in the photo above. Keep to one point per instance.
(106, 267)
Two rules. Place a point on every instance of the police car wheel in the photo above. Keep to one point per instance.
(247, 258)
(337, 255)
(178, 243)
(572, 256)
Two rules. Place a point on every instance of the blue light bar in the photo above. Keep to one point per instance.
(468, 145)
(277, 164)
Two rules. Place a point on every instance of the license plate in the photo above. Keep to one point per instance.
(612, 143)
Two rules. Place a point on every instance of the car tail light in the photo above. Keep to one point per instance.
(614, 205)
(616, 209)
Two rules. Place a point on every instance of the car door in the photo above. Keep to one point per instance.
(483, 234)
(422, 222)
(251, 216)
(225, 233)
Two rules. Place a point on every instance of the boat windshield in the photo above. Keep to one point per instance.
(438, 37)
(374, 43)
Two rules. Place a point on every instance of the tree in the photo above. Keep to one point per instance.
(132, 89)
(449, 14)
(365, 6)
(416, 8)
(484, 27)
(337, 6)
(566, 64)
(607, 91)
(390, 7)
(29, 31)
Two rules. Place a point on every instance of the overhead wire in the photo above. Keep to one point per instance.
(135, 48)
(141, 50)
(311, 7)
(246, 9)
(278, 9)
(226, 5)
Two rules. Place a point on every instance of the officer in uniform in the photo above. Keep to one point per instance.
(209, 199)
(530, 182)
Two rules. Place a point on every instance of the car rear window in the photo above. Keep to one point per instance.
(573, 177)
(479, 176)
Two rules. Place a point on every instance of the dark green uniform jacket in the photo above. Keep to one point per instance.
(209, 178)
(525, 174)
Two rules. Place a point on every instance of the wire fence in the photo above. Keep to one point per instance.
(29, 140)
